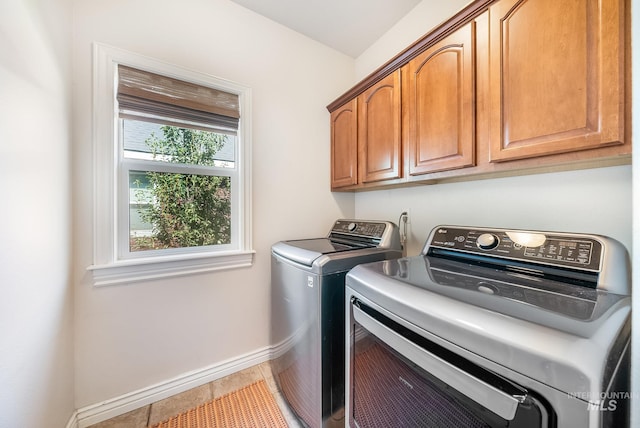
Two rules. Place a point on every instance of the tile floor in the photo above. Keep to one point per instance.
(164, 409)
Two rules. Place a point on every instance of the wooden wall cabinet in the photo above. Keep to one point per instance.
(438, 105)
(344, 145)
(379, 133)
(556, 77)
(366, 136)
(504, 87)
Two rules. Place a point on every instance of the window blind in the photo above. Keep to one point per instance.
(148, 96)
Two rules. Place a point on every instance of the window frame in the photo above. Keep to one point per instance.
(109, 266)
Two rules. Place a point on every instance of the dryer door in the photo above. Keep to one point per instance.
(399, 378)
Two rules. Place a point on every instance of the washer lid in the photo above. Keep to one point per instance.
(305, 251)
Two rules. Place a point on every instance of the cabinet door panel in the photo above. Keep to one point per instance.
(379, 130)
(439, 108)
(556, 77)
(344, 145)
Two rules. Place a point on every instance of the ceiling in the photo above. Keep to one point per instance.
(349, 26)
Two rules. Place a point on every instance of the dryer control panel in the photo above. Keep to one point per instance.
(558, 249)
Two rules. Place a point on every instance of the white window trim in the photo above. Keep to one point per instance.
(107, 268)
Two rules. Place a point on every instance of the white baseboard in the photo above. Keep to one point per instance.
(108, 409)
(73, 420)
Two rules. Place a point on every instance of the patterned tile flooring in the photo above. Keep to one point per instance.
(164, 409)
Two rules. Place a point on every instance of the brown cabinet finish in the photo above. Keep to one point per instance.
(556, 77)
(344, 145)
(379, 137)
(438, 105)
(503, 88)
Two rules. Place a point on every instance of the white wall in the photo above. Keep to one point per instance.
(563, 201)
(36, 332)
(132, 336)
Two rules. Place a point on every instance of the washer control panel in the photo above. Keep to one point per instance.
(570, 250)
(369, 229)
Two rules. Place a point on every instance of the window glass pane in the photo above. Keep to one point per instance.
(154, 141)
(168, 210)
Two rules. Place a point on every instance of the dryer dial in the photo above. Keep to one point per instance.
(487, 241)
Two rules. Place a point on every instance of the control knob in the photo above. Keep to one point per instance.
(352, 227)
(487, 241)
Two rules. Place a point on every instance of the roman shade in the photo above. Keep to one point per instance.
(143, 95)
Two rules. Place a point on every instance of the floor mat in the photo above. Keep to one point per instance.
(250, 407)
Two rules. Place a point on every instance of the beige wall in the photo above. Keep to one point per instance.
(36, 331)
(133, 336)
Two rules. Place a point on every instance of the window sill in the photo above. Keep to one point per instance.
(130, 271)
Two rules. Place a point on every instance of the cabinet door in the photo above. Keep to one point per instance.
(379, 130)
(344, 145)
(556, 76)
(438, 97)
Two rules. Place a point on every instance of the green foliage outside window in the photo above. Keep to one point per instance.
(184, 210)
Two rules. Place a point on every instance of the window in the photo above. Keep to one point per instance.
(171, 170)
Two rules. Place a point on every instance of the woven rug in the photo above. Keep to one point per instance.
(250, 407)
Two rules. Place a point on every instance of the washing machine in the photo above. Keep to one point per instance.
(307, 312)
